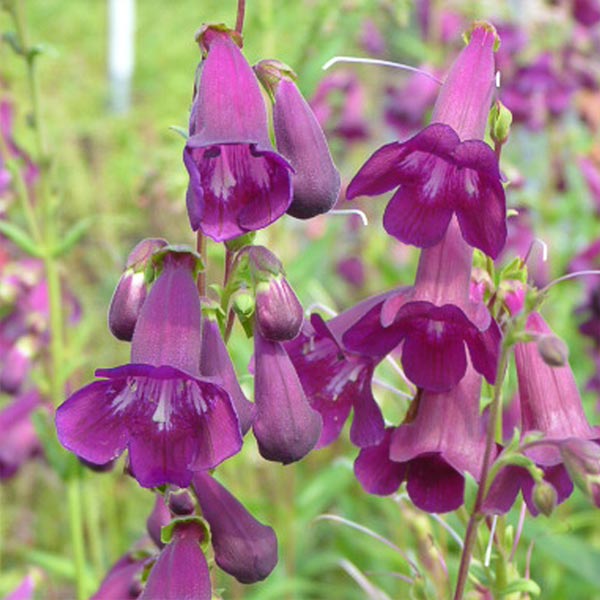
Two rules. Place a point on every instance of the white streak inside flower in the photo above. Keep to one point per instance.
(222, 181)
(471, 182)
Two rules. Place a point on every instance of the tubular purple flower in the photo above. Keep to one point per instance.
(237, 182)
(181, 571)
(434, 320)
(299, 137)
(286, 427)
(336, 380)
(432, 452)
(244, 547)
(550, 404)
(215, 362)
(131, 291)
(123, 581)
(172, 420)
(158, 518)
(446, 169)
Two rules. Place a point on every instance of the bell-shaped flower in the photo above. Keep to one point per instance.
(215, 362)
(435, 320)
(285, 427)
(181, 570)
(337, 380)
(238, 183)
(123, 581)
(244, 547)
(173, 420)
(431, 450)
(551, 405)
(447, 168)
(299, 137)
(131, 291)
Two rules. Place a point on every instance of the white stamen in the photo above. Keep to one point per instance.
(488, 551)
(351, 211)
(377, 61)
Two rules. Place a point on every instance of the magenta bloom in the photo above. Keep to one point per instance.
(337, 380)
(172, 420)
(123, 581)
(550, 404)
(181, 571)
(238, 183)
(286, 427)
(435, 321)
(432, 452)
(244, 547)
(445, 169)
(300, 139)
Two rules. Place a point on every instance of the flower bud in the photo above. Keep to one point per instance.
(544, 497)
(131, 291)
(158, 518)
(299, 137)
(279, 314)
(553, 350)
(582, 460)
(244, 547)
(500, 122)
(181, 502)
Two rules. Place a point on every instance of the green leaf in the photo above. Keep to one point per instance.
(19, 237)
(521, 585)
(73, 236)
(180, 130)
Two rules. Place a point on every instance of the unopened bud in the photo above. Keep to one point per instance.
(500, 122)
(181, 502)
(544, 497)
(582, 461)
(553, 350)
(279, 314)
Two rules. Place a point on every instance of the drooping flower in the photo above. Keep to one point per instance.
(550, 404)
(446, 169)
(435, 321)
(286, 427)
(172, 419)
(431, 450)
(181, 571)
(238, 183)
(244, 547)
(300, 139)
(337, 380)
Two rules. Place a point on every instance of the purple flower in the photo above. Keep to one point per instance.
(445, 169)
(24, 591)
(300, 139)
(586, 12)
(237, 182)
(244, 547)
(215, 362)
(123, 581)
(286, 427)
(18, 438)
(337, 380)
(181, 571)
(550, 404)
(159, 517)
(172, 420)
(431, 450)
(435, 320)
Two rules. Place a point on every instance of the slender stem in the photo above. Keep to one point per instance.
(241, 12)
(477, 515)
(201, 249)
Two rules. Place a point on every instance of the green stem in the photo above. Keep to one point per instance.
(76, 526)
(490, 442)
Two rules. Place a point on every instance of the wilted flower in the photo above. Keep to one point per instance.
(237, 182)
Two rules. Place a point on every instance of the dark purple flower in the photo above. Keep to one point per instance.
(123, 581)
(586, 12)
(172, 420)
(244, 547)
(159, 517)
(445, 169)
(18, 438)
(431, 452)
(550, 404)
(215, 362)
(434, 321)
(238, 183)
(300, 139)
(537, 92)
(352, 270)
(181, 571)
(286, 427)
(131, 291)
